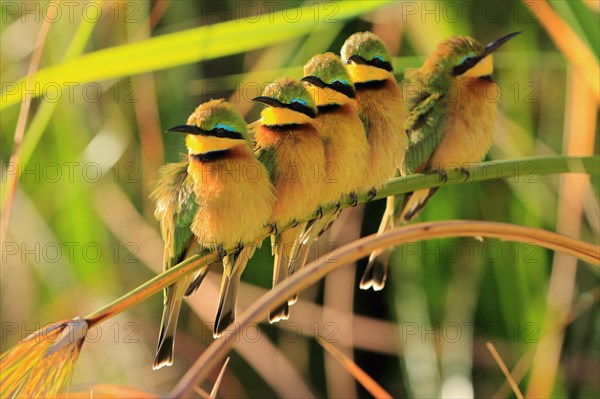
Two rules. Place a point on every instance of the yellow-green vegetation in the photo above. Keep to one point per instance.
(496, 293)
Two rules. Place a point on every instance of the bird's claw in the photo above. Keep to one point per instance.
(465, 172)
(353, 199)
(239, 247)
(443, 176)
(338, 205)
(295, 222)
(274, 229)
(221, 251)
(372, 193)
(318, 213)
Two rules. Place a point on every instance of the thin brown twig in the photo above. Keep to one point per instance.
(502, 365)
(586, 301)
(215, 389)
(359, 374)
(13, 178)
(569, 43)
(361, 248)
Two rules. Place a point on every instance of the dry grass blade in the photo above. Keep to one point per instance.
(109, 391)
(363, 378)
(215, 390)
(201, 392)
(585, 302)
(578, 139)
(509, 378)
(42, 364)
(22, 120)
(568, 42)
(361, 248)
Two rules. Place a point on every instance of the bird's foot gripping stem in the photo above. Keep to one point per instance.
(443, 176)
(372, 193)
(465, 173)
(222, 252)
(353, 199)
(318, 213)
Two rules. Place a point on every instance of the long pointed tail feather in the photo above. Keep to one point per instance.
(301, 248)
(233, 267)
(166, 338)
(375, 273)
(282, 251)
(415, 203)
(198, 279)
(227, 301)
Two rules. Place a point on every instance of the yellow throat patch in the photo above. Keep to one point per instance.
(326, 96)
(198, 144)
(272, 116)
(483, 68)
(361, 73)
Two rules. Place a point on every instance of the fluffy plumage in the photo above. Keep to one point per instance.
(290, 146)
(219, 198)
(382, 108)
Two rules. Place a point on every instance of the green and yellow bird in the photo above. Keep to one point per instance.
(451, 117)
(207, 202)
(344, 140)
(382, 108)
(452, 114)
(289, 145)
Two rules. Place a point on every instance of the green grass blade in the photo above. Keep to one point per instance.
(192, 45)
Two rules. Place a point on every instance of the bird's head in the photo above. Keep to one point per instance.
(328, 81)
(288, 103)
(367, 58)
(213, 126)
(461, 57)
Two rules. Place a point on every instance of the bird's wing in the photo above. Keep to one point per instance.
(266, 155)
(176, 206)
(424, 127)
(252, 127)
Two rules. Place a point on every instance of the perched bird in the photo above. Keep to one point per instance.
(208, 202)
(344, 140)
(382, 108)
(452, 115)
(289, 145)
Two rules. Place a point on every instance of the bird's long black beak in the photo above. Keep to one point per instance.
(493, 46)
(189, 129)
(269, 101)
(313, 80)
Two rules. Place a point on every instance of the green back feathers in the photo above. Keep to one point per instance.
(366, 45)
(329, 68)
(176, 207)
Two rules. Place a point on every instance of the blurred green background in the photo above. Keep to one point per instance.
(81, 231)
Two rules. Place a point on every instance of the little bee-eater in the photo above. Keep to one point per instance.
(344, 140)
(289, 145)
(382, 109)
(209, 202)
(451, 118)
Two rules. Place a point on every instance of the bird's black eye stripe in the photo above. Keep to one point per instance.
(222, 133)
(467, 64)
(378, 63)
(343, 88)
(299, 107)
(296, 106)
